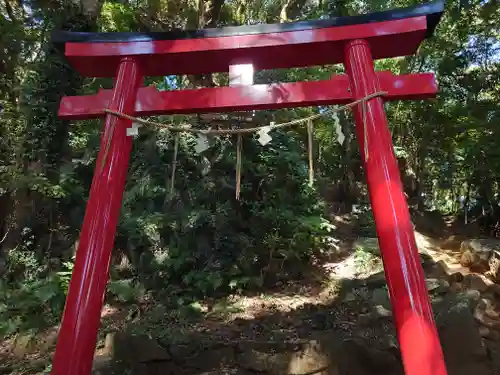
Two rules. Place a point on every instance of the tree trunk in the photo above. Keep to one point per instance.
(291, 10)
(337, 8)
(209, 12)
(348, 162)
(45, 147)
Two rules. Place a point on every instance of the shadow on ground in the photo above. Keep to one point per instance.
(317, 325)
(348, 332)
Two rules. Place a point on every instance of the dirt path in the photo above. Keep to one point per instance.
(287, 314)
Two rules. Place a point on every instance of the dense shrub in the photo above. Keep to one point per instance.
(207, 239)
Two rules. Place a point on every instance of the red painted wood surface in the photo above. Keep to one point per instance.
(256, 97)
(265, 51)
(82, 313)
(418, 338)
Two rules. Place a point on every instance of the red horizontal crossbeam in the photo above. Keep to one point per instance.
(243, 98)
(265, 51)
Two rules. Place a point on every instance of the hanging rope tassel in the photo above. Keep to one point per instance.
(174, 165)
(239, 148)
(310, 130)
(365, 130)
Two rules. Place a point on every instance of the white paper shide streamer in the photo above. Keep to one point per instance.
(338, 128)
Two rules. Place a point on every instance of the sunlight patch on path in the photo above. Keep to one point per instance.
(345, 269)
(427, 246)
(289, 299)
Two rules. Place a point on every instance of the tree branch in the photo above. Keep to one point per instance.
(10, 11)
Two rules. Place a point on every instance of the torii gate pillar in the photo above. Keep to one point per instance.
(354, 41)
(82, 312)
(418, 339)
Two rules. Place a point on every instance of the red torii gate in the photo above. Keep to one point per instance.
(353, 41)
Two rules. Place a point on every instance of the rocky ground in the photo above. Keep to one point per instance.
(341, 326)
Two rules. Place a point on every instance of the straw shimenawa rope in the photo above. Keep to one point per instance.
(189, 129)
(307, 120)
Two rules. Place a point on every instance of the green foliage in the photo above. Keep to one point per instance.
(117, 17)
(125, 291)
(204, 237)
(366, 261)
(366, 224)
(198, 238)
(37, 301)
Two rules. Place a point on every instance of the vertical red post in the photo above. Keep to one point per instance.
(418, 338)
(82, 313)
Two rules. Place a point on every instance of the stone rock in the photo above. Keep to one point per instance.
(489, 334)
(129, 348)
(356, 357)
(313, 357)
(494, 354)
(443, 266)
(227, 371)
(364, 319)
(477, 252)
(468, 259)
(361, 355)
(102, 365)
(494, 289)
(460, 337)
(456, 287)
(23, 345)
(451, 243)
(47, 341)
(476, 282)
(472, 297)
(381, 312)
(154, 368)
(437, 270)
(108, 344)
(349, 297)
(456, 277)
(437, 286)
(375, 281)
(494, 266)
(273, 363)
(212, 358)
(271, 347)
(380, 296)
(486, 314)
(426, 261)
(179, 351)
